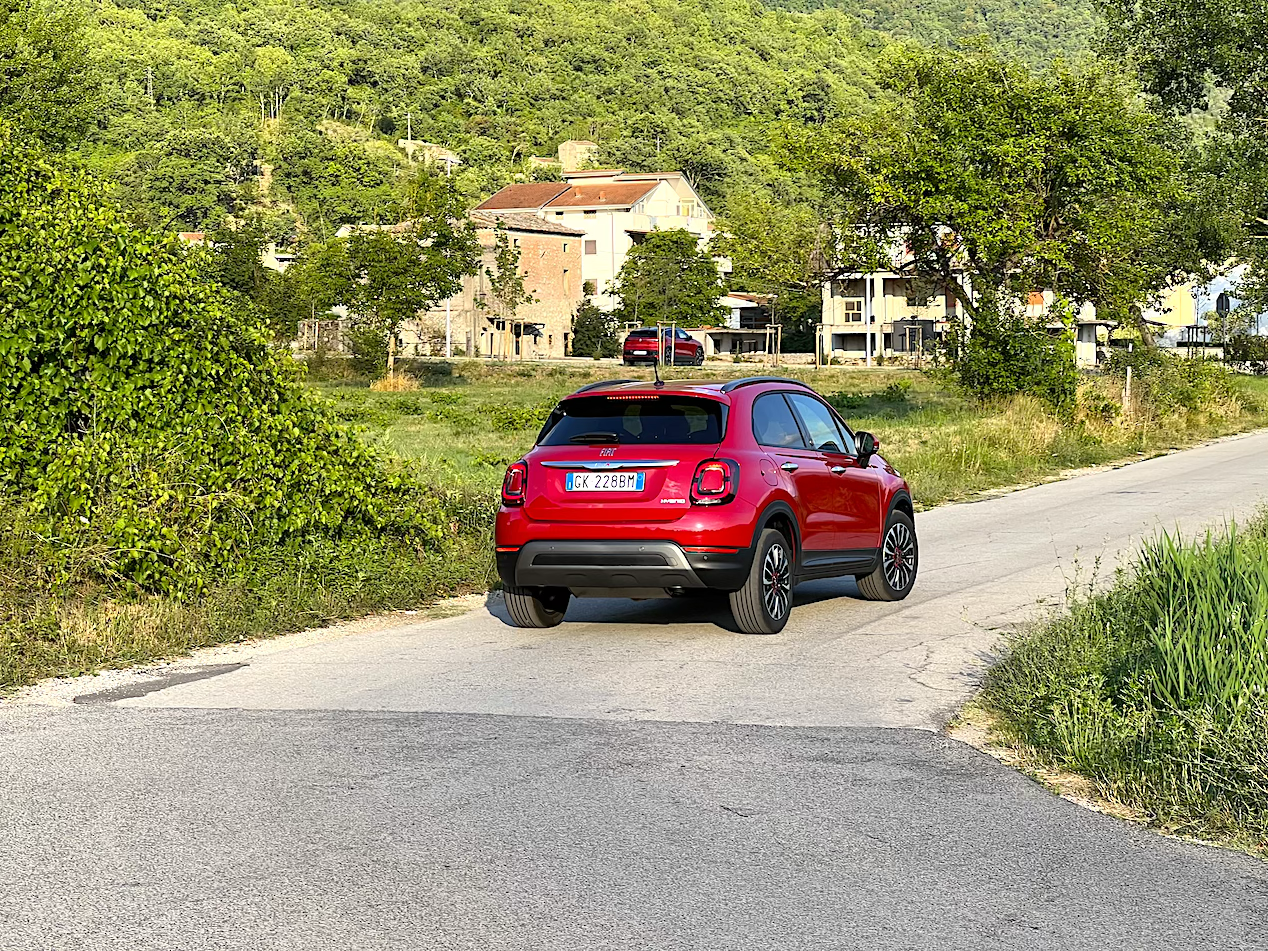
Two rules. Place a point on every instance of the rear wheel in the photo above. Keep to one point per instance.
(763, 604)
(700, 359)
(895, 575)
(536, 607)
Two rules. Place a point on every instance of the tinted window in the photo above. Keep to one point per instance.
(820, 425)
(654, 420)
(773, 423)
(643, 333)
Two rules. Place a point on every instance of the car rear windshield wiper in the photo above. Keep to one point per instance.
(595, 437)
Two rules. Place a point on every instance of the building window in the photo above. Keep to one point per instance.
(687, 209)
(588, 287)
(592, 247)
(559, 214)
(589, 213)
(565, 251)
(852, 309)
(515, 242)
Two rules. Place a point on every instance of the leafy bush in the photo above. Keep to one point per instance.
(509, 418)
(144, 411)
(594, 332)
(1157, 690)
(1007, 354)
(1248, 351)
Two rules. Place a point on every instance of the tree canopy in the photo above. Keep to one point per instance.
(1057, 179)
(668, 279)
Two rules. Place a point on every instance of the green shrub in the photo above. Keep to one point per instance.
(512, 417)
(146, 413)
(1007, 354)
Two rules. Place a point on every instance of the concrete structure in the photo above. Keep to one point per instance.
(573, 155)
(902, 316)
(615, 209)
(430, 153)
(892, 311)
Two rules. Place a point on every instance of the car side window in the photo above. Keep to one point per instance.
(820, 425)
(774, 424)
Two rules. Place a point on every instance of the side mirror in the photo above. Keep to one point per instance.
(868, 445)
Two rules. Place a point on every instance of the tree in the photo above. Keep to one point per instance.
(47, 83)
(668, 279)
(399, 272)
(593, 332)
(1212, 55)
(506, 282)
(991, 182)
(149, 419)
(777, 249)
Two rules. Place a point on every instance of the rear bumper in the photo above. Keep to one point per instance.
(623, 565)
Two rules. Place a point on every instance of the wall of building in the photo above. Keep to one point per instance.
(608, 233)
(552, 269)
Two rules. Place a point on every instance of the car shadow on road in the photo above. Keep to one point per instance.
(704, 607)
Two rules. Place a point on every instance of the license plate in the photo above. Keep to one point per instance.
(640, 353)
(605, 481)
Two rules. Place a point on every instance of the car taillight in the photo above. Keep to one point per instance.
(715, 482)
(514, 484)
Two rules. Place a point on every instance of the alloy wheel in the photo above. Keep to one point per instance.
(776, 582)
(899, 556)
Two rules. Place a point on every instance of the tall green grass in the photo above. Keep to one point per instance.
(1157, 689)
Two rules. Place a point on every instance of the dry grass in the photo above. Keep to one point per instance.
(399, 382)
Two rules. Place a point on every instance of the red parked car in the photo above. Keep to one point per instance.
(652, 490)
(681, 349)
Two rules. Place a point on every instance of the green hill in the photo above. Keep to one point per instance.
(196, 91)
(209, 108)
(1034, 30)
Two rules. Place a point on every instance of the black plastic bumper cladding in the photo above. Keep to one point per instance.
(621, 564)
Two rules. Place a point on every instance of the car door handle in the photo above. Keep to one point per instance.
(837, 470)
(790, 467)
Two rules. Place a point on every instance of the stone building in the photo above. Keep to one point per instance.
(550, 262)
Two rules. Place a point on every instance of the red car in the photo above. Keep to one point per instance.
(681, 349)
(653, 490)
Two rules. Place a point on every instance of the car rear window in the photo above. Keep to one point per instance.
(630, 420)
(643, 333)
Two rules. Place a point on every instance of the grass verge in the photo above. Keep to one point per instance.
(1156, 690)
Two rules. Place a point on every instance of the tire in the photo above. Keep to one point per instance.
(536, 607)
(762, 606)
(895, 573)
(700, 359)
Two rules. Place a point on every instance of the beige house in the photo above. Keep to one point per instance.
(891, 314)
(615, 210)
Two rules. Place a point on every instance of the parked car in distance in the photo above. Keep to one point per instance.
(681, 349)
(653, 490)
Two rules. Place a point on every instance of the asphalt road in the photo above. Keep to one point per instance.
(641, 777)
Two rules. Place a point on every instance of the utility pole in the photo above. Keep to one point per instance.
(869, 286)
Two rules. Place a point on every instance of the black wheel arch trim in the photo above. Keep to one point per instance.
(779, 507)
(902, 495)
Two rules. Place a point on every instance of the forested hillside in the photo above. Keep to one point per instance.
(195, 92)
(1033, 30)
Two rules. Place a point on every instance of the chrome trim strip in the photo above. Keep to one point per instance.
(623, 464)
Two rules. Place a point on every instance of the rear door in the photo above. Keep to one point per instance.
(817, 490)
(622, 457)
